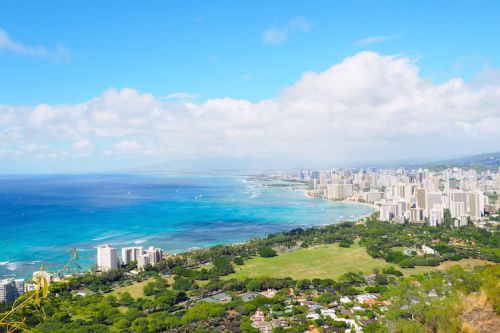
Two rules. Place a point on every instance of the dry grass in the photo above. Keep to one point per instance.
(478, 316)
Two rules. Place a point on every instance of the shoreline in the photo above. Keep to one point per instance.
(374, 207)
(26, 271)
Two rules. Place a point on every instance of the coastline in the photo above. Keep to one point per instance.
(345, 201)
(276, 211)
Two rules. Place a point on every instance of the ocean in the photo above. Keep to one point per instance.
(42, 217)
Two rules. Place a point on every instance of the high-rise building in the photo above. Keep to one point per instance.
(312, 184)
(155, 255)
(130, 254)
(143, 260)
(152, 256)
(435, 217)
(416, 214)
(457, 209)
(476, 205)
(10, 289)
(106, 258)
(433, 199)
(421, 198)
(339, 191)
(458, 203)
(373, 196)
(388, 211)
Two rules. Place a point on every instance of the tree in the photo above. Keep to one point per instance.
(126, 299)
(140, 325)
(246, 326)
(375, 328)
(267, 252)
(203, 311)
(239, 261)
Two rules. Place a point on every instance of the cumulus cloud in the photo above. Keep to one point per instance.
(280, 34)
(60, 54)
(369, 107)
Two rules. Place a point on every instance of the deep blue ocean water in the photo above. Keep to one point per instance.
(41, 217)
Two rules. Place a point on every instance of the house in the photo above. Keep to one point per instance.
(279, 322)
(258, 316)
(313, 316)
(269, 293)
(345, 300)
(362, 298)
(427, 250)
(356, 308)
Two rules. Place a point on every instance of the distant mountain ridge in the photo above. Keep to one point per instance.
(481, 161)
(238, 166)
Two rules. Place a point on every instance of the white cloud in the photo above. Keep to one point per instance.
(369, 107)
(373, 40)
(60, 54)
(180, 96)
(278, 35)
(127, 147)
(83, 148)
(274, 36)
(9, 44)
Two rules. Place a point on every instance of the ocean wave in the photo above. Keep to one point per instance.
(106, 237)
(13, 265)
(139, 241)
(3, 263)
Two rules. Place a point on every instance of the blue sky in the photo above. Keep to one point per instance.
(117, 84)
(216, 48)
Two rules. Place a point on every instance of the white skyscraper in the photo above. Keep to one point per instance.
(143, 260)
(106, 258)
(10, 289)
(433, 200)
(435, 217)
(131, 254)
(458, 203)
(339, 191)
(155, 255)
(476, 205)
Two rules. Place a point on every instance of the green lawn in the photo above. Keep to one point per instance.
(135, 290)
(326, 261)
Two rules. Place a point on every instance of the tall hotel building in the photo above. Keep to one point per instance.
(130, 254)
(106, 258)
(458, 203)
(10, 289)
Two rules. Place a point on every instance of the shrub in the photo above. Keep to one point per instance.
(267, 252)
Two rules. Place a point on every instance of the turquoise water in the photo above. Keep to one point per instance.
(41, 217)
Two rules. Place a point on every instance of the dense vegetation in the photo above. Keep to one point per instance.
(175, 295)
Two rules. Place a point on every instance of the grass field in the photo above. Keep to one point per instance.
(467, 264)
(326, 261)
(135, 290)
